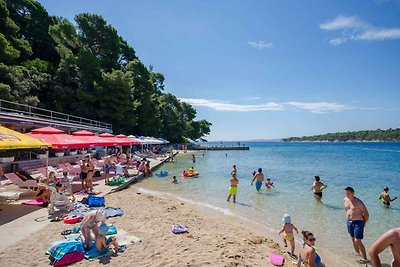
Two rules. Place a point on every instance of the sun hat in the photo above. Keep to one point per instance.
(286, 218)
(103, 228)
(100, 215)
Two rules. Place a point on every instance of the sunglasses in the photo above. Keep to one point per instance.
(312, 239)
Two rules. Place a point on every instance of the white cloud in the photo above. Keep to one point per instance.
(352, 28)
(314, 107)
(320, 107)
(253, 98)
(226, 106)
(261, 44)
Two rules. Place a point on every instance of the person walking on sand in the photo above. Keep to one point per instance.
(233, 188)
(357, 217)
(288, 229)
(317, 188)
(384, 196)
(259, 178)
(389, 239)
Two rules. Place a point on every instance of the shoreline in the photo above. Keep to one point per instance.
(212, 241)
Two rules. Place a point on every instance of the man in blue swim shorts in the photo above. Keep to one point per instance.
(357, 218)
(259, 178)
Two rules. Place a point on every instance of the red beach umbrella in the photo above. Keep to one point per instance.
(58, 138)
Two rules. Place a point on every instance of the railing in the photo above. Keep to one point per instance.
(35, 112)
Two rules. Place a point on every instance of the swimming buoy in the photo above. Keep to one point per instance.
(73, 219)
(162, 173)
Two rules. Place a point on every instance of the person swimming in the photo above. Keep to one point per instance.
(269, 183)
(384, 196)
(259, 178)
(317, 188)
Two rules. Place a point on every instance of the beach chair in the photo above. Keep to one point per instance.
(43, 171)
(19, 182)
(63, 167)
(72, 169)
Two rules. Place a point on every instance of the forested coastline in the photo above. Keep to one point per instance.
(85, 68)
(390, 135)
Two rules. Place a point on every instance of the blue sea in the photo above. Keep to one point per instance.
(367, 167)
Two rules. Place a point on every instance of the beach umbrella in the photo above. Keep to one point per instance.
(58, 138)
(90, 137)
(10, 139)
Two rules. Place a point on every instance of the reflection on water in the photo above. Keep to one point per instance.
(292, 166)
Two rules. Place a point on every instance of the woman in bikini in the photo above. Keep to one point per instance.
(90, 171)
(308, 257)
(83, 175)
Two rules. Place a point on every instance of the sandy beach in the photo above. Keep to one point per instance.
(213, 241)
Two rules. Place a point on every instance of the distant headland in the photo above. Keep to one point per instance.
(389, 135)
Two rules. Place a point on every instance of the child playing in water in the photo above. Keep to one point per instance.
(288, 229)
(174, 181)
(103, 243)
(233, 188)
(269, 183)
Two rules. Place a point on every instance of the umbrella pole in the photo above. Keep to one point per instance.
(47, 163)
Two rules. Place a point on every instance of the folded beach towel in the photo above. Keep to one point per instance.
(126, 238)
(59, 248)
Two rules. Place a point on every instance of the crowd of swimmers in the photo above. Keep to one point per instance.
(357, 217)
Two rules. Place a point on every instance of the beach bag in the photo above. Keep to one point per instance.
(94, 201)
(69, 258)
(276, 260)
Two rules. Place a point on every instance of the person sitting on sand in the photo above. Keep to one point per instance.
(142, 167)
(288, 228)
(389, 239)
(89, 225)
(174, 181)
(53, 180)
(233, 188)
(102, 242)
(308, 257)
(384, 196)
(317, 188)
(66, 181)
(147, 169)
(259, 177)
(269, 183)
(43, 193)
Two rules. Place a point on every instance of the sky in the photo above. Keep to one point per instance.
(267, 69)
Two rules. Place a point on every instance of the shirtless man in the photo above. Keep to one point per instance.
(384, 196)
(233, 187)
(357, 217)
(317, 188)
(259, 177)
(390, 238)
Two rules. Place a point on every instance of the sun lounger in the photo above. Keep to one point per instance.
(72, 169)
(19, 182)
